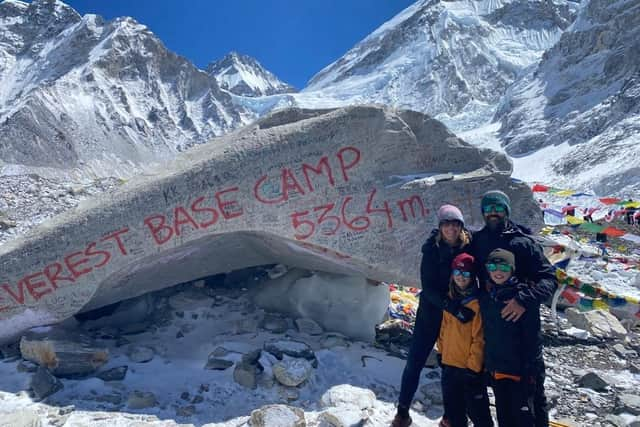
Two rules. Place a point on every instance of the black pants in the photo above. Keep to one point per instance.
(465, 395)
(540, 404)
(425, 334)
(512, 403)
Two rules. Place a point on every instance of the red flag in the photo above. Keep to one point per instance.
(539, 188)
(613, 232)
(609, 200)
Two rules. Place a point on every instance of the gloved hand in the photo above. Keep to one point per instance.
(459, 311)
(451, 305)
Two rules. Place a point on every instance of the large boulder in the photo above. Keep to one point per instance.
(599, 323)
(350, 191)
(346, 304)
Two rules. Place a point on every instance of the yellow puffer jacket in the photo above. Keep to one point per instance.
(461, 344)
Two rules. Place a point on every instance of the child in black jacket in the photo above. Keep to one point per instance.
(510, 347)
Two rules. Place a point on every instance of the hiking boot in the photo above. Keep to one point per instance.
(400, 421)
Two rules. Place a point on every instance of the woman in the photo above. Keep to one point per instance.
(444, 244)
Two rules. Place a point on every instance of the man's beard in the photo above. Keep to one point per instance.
(495, 223)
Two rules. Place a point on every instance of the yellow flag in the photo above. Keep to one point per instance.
(599, 304)
(574, 220)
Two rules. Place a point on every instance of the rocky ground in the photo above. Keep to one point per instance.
(202, 354)
(28, 200)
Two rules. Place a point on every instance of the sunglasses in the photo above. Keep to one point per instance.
(494, 208)
(506, 268)
(465, 274)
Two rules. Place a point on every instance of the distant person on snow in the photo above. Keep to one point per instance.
(461, 346)
(570, 210)
(630, 212)
(533, 272)
(445, 243)
(510, 347)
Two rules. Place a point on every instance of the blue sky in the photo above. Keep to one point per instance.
(292, 38)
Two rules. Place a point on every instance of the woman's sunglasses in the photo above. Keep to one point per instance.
(465, 274)
(494, 208)
(498, 266)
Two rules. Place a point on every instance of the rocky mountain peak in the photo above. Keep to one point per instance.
(584, 98)
(99, 98)
(244, 75)
(452, 60)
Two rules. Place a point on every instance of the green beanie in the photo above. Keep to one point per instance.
(496, 197)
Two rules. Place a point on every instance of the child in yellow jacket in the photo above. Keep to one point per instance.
(461, 347)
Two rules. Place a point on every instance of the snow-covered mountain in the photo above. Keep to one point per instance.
(81, 94)
(582, 102)
(245, 76)
(103, 98)
(450, 59)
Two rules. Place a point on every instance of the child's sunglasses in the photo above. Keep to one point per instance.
(494, 208)
(465, 274)
(498, 266)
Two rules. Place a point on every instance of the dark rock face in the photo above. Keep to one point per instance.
(586, 92)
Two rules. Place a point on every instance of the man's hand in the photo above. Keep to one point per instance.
(513, 311)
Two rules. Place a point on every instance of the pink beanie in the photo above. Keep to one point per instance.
(449, 213)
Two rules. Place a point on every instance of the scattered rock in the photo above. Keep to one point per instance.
(246, 371)
(628, 402)
(246, 325)
(186, 411)
(217, 364)
(44, 384)
(624, 352)
(277, 416)
(289, 394)
(219, 352)
(275, 323)
(197, 399)
(343, 417)
(113, 374)
(289, 347)
(333, 339)
(114, 399)
(593, 381)
(277, 270)
(141, 399)
(135, 328)
(10, 351)
(140, 354)
(292, 372)
(349, 396)
(308, 326)
(599, 323)
(26, 366)
(63, 353)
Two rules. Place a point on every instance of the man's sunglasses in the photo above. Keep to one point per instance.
(492, 266)
(465, 274)
(494, 208)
